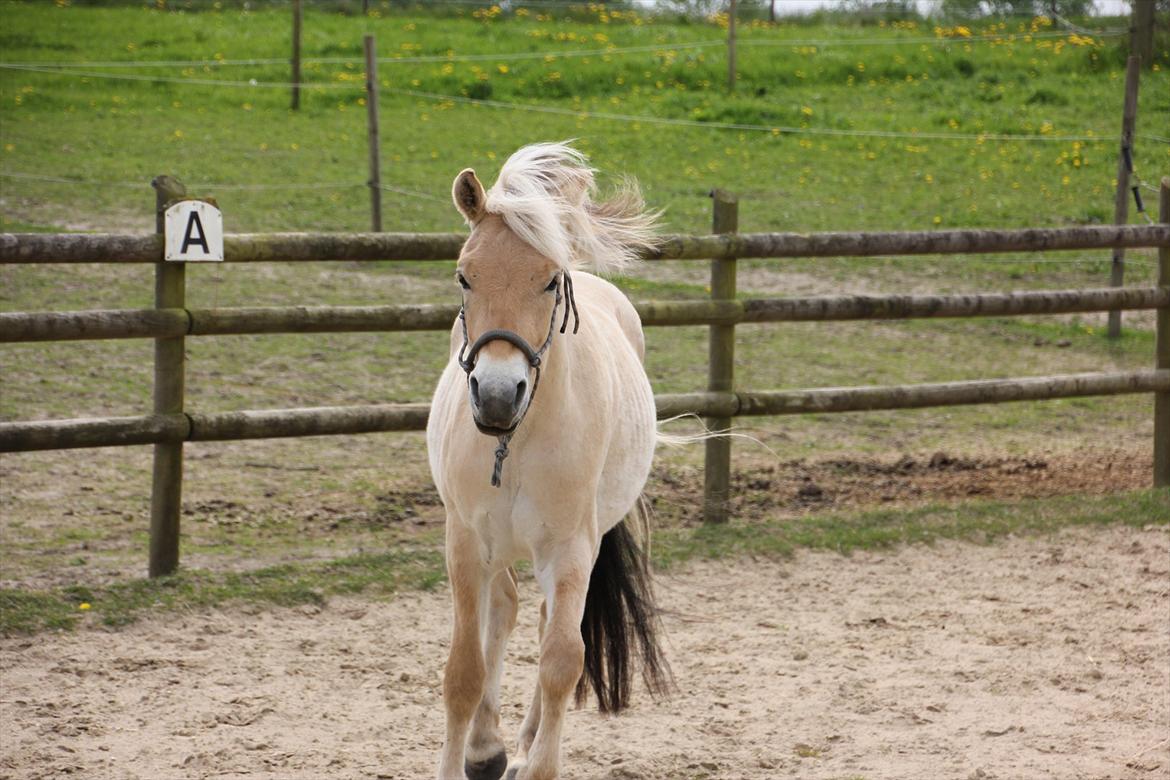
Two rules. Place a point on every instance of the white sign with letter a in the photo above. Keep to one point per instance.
(194, 232)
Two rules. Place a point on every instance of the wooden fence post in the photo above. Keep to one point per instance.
(296, 55)
(166, 495)
(731, 47)
(720, 367)
(372, 121)
(1141, 31)
(1162, 399)
(1121, 197)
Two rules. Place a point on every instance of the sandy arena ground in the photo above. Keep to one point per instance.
(1029, 658)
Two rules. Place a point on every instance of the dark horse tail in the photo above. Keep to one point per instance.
(620, 623)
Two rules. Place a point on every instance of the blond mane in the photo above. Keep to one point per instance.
(545, 194)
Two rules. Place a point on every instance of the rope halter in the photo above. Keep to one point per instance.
(468, 356)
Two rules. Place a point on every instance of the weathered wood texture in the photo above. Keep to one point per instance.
(323, 421)
(982, 391)
(1121, 196)
(263, 424)
(161, 323)
(98, 432)
(297, 23)
(238, 248)
(1141, 31)
(731, 53)
(166, 492)
(720, 364)
(319, 421)
(311, 247)
(92, 325)
(880, 307)
(858, 399)
(375, 182)
(1162, 349)
(323, 319)
(909, 243)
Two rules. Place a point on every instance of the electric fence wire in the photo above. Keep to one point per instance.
(590, 114)
(583, 113)
(209, 185)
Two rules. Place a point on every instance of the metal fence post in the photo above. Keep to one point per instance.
(1162, 399)
(166, 495)
(720, 367)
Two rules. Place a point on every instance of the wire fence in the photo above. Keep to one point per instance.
(511, 57)
(78, 70)
(584, 113)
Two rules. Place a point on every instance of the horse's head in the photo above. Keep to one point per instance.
(536, 224)
(510, 295)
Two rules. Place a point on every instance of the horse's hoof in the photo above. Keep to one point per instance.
(512, 773)
(488, 769)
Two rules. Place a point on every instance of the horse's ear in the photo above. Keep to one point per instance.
(469, 196)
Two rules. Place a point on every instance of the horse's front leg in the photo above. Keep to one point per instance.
(463, 679)
(486, 758)
(532, 719)
(563, 574)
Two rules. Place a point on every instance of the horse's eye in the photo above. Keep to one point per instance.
(552, 286)
(463, 281)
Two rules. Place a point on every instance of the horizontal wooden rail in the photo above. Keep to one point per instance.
(323, 421)
(222, 426)
(164, 323)
(310, 421)
(312, 247)
(93, 432)
(887, 307)
(860, 399)
(93, 325)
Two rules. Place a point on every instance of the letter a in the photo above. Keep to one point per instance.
(194, 234)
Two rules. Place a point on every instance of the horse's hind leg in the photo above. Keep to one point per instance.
(486, 758)
(532, 719)
(463, 679)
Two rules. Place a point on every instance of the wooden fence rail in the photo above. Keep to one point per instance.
(313, 247)
(170, 322)
(380, 418)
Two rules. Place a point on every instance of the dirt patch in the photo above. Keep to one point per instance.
(804, 486)
(79, 517)
(1028, 658)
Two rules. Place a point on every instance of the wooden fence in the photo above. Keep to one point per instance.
(170, 322)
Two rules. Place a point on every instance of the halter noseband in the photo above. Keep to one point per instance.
(467, 357)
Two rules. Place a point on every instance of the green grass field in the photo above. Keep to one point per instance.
(116, 134)
(79, 150)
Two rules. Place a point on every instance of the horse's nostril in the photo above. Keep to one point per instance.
(475, 391)
(520, 388)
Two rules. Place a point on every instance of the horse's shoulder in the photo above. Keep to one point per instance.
(605, 296)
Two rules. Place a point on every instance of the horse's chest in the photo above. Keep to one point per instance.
(504, 534)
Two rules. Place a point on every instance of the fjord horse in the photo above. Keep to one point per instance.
(540, 440)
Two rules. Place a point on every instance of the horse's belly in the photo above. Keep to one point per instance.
(631, 449)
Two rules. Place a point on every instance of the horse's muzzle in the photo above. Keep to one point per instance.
(498, 398)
